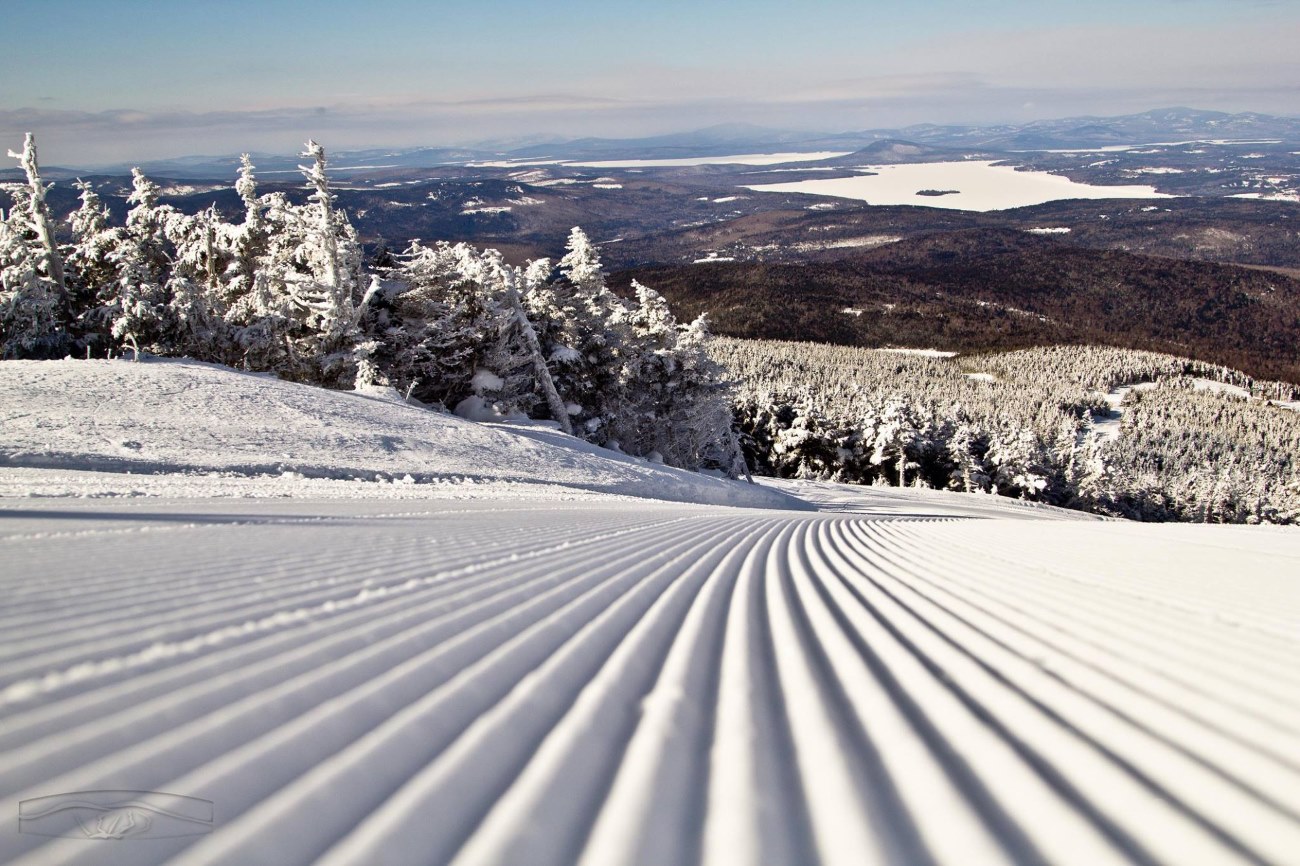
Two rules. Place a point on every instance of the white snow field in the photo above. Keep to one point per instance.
(974, 185)
(184, 416)
(511, 660)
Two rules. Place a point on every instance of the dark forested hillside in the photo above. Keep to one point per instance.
(984, 289)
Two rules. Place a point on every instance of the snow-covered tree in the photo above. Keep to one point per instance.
(92, 273)
(31, 324)
(137, 309)
(678, 400)
(893, 437)
(532, 278)
(38, 212)
(440, 320)
(33, 293)
(584, 331)
(321, 279)
(196, 295)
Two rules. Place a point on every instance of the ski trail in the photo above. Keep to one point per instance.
(654, 809)
(753, 814)
(839, 792)
(1128, 653)
(631, 682)
(1176, 726)
(1131, 766)
(444, 713)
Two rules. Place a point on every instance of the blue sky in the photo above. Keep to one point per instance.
(139, 79)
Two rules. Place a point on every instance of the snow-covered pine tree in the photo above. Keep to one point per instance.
(196, 297)
(33, 294)
(92, 271)
(322, 282)
(439, 320)
(700, 420)
(248, 241)
(532, 279)
(259, 315)
(30, 322)
(677, 401)
(966, 446)
(137, 310)
(39, 211)
(586, 329)
(894, 436)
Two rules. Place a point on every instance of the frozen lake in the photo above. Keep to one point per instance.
(974, 185)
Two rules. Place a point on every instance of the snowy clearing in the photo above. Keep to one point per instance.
(924, 353)
(865, 242)
(980, 186)
(847, 676)
(1272, 196)
(1110, 425)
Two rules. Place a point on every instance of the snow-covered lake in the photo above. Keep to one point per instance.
(973, 185)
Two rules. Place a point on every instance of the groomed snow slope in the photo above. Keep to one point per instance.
(901, 678)
(183, 416)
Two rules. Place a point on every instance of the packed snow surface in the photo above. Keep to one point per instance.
(979, 185)
(553, 673)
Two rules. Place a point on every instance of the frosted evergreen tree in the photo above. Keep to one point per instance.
(534, 278)
(138, 312)
(31, 325)
(38, 212)
(965, 448)
(91, 268)
(194, 288)
(247, 241)
(677, 402)
(443, 321)
(894, 436)
(518, 338)
(699, 418)
(33, 294)
(246, 187)
(260, 315)
(581, 264)
(587, 327)
(136, 308)
(322, 281)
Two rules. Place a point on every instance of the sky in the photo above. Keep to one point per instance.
(103, 81)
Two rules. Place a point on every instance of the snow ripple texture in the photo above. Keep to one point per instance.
(637, 683)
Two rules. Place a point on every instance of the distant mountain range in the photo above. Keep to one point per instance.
(1165, 124)
(1160, 125)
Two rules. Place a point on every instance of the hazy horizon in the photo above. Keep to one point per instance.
(144, 80)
